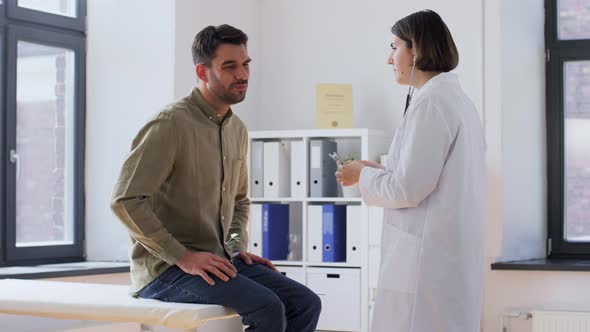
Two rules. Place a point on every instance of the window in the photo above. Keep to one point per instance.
(42, 123)
(567, 37)
(68, 14)
(58, 7)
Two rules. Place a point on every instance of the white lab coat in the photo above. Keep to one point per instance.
(432, 192)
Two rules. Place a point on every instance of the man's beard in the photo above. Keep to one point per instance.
(225, 95)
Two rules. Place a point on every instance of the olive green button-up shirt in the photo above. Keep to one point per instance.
(184, 187)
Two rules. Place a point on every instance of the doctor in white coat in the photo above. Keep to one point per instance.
(432, 191)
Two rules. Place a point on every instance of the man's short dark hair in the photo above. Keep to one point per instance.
(208, 40)
(431, 39)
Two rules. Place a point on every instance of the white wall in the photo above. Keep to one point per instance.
(130, 76)
(134, 68)
(333, 41)
(514, 83)
(194, 15)
(290, 55)
(523, 129)
(139, 61)
(522, 291)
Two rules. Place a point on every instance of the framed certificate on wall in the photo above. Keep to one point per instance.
(334, 106)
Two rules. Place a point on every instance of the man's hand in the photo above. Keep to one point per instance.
(199, 263)
(248, 258)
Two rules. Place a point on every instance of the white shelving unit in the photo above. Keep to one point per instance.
(347, 290)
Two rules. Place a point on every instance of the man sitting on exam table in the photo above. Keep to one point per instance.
(182, 195)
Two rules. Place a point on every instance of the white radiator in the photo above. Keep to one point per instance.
(560, 321)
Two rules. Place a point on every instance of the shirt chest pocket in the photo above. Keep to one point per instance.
(235, 171)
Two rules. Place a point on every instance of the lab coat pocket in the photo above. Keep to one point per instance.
(399, 260)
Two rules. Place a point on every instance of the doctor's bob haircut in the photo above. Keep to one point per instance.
(208, 40)
(428, 35)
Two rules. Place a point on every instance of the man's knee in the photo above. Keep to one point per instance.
(313, 304)
(275, 308)
(270, 315)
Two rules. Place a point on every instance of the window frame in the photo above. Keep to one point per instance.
(2, 141)
(3, 12)
(558, 52)
(11, 32)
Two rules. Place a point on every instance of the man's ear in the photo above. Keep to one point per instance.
(201, 70)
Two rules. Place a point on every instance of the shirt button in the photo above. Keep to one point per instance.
(223, 188)
(223, 157)
(222, 218)
(210, 118)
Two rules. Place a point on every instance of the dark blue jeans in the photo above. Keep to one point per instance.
(266, 300)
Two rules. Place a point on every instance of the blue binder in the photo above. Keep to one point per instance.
(334, 233)
(275, 231)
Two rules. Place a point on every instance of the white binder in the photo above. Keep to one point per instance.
(256, 169)
(353, 234)
(298, 187)
(255, 234)
(277, 179)
(314, 233)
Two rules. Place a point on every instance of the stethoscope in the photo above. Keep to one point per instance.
(411, 88)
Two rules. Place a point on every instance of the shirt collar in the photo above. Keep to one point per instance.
(207, 109)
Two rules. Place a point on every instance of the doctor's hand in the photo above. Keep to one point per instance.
(249, 258)
(349, 173)
(202, 263)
